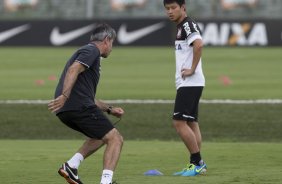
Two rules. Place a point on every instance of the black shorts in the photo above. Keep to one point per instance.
(186, 103)
(90, 121)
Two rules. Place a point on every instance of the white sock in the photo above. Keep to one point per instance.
(107, 176)
(75, 161)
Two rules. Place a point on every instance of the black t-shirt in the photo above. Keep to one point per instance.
(83, 92)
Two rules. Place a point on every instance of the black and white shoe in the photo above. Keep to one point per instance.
(69, 174)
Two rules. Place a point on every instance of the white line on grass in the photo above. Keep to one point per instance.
(136, 101)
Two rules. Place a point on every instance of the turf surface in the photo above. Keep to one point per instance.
(219, 122)
(36, 162)
(145, 73)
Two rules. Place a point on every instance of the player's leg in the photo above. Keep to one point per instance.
(189, 138)
(69, 169)
(196, 129)
(90, 146)
(114, 142)
(187, 135)
(192, 103)
(97, 126)
(194, 125)
(185, 110)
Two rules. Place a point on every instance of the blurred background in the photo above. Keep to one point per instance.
(115, 9)
(223, 22)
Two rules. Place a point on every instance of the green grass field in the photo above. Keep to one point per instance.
(36, 162)
(242, 142)
(219, 123)
(145, 73)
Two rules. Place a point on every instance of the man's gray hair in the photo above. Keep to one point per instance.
(102, 31)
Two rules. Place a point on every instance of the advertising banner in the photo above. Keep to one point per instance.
(242, 33)
(140, 32)
(72, 33)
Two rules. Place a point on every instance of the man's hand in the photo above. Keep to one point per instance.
(185, 72)
(117, 112)
(57, 103)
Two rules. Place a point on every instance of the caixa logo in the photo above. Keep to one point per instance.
(242, 34)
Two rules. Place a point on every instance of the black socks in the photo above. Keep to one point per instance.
(195, 158)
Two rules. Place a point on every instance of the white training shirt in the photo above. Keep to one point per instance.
(187, 32)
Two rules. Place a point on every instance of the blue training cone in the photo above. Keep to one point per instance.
(153, 172)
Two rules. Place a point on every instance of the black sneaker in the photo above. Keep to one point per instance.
(69, 174)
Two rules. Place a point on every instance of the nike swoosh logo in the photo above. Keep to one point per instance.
(176, 113)
(5, 35)
(200, 169)
(186, 116)
(75, 176)
(58, 38)
(125, 37)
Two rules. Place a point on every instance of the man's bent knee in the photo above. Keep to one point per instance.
(113, 136)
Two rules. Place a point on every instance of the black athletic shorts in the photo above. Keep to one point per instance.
(186, 103)
(90, 121)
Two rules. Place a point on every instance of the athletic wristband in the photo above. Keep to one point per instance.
(109, 109)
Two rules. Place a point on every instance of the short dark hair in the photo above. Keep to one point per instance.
(102, 31)
(179, 2)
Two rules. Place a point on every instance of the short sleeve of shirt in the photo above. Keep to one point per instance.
(192, 31)
(87, 55)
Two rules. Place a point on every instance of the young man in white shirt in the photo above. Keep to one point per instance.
(190, 82)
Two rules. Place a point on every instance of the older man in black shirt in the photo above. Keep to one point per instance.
(76, 106)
